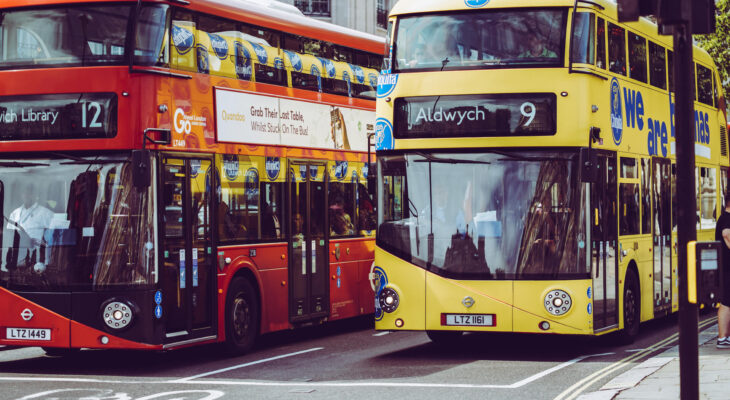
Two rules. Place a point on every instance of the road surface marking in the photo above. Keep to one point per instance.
(218, 371)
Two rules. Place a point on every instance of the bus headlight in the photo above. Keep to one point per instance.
(117, 314)
(388, 300)
(557, 302)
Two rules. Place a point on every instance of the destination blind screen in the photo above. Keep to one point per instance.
(475, 115)
(58, 116)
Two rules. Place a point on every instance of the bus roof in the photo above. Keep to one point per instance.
(644, 26)
(271, 14)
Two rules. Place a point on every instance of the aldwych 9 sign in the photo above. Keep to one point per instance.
(511, 114)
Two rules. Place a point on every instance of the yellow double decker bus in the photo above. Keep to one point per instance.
(526, 169)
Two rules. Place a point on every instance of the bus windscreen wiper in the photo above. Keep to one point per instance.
(431, 158)
(20, 164)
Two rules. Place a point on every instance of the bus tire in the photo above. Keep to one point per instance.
(632, 309)
(443, 338)
(242, 316)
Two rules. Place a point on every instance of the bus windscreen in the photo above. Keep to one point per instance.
(488, 215)
(488, 39)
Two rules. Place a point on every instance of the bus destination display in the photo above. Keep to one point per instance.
(475, 115)
(58, 116)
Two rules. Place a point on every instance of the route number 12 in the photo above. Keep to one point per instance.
(93, 107)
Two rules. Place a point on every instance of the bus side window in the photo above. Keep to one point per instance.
(600, 43)
(637, 57)
(616, 49)
(704, 85)
(670, 70)
(583, 38)
(657, 66)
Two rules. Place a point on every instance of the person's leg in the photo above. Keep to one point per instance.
(723, 321)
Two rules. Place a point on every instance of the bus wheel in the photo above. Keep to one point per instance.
(632, 308)
(444, 337)
(60, 351)
(242, 316)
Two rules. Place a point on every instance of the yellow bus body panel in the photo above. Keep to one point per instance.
(449, 296)
(530, 309)
(409, 282)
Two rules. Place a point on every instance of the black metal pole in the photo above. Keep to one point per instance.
(686, 203)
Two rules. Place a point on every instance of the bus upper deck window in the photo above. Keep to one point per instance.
(583, 38)
(657, 66)
(601, 43)
(637, 57)
(616, 49)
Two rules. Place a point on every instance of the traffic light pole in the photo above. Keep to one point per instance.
(686, 205)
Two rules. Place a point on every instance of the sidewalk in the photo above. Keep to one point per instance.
(658, 377)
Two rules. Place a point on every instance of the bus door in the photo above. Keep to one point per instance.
(187, 276)
(604, 260)
(662, 234)
(308, 244)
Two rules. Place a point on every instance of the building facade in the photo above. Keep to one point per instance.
(369, 16)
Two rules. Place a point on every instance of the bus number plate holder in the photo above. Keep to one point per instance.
(27, 334)
(468, 320)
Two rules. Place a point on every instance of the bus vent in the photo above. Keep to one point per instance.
(723, 140)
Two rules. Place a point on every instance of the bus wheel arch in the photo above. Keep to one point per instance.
(242, 312)
(631, 304)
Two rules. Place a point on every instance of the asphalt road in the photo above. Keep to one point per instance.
(343, 360)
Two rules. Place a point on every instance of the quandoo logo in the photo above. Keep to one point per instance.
(476, 3)
(365, 171)
(340, 169)
(359, 73)
(203, 64)
(252, 182)
(313, 70)
(328, 66)
(230, 166)
(373, 79)
(219, 45)
(295, 60)
(386, 84)
(183, 39)
(243, 61)
(313, 171)
(303, 171)
(260, 52)
(273, 166)
(378, 280)
(617, 120)
(383, 134)
(278, 63)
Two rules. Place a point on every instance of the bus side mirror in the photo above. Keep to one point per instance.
(141, 169)
(587, 162)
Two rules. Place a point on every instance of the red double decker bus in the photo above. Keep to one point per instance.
(177, 172)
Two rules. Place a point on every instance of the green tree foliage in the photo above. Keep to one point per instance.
(718, 44)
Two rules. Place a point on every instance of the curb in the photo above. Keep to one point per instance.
(637, 374)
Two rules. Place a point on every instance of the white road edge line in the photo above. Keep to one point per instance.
(381, 333)
(218, 371)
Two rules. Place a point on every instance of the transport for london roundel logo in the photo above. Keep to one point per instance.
(476, 3)
(383, 134)
(617, 120)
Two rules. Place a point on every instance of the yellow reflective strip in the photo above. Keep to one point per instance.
(692, 272)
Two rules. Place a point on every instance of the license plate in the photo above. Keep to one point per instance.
(468, 319)
(27, 334)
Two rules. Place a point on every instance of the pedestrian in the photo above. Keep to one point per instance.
(722, 234)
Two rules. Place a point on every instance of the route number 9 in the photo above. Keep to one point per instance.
(93, 107)
(528, 111)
